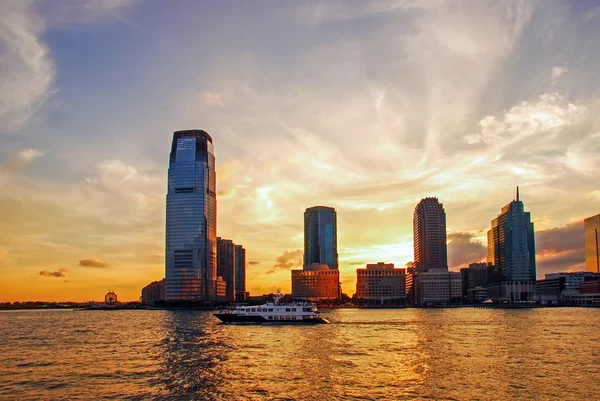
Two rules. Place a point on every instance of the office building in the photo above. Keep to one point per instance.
(476, 275)
(511, 251)
(429, 235)
(437, 287)
(240, 273)
(191, 219)
(592, 250)
(381, 283)
(315, 282)
(154, 292)
(320, 236)
(226, 266)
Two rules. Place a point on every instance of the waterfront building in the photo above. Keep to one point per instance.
(437, 287)
(592, 243)
(556, 286)
(220, 290)
(320, 236)
(477, 295)
(191, 219)
(226, 266)
(429, 235)
(381, 283)
(476, 275)
(315, 282)
(240, 273)
(590, 287)
(511, 251)
(154, 292)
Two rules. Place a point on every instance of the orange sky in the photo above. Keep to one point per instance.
(366, 109)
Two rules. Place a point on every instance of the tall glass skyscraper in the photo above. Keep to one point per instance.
(191, 230)
(429, 235)
(511, 251)
(320, 236)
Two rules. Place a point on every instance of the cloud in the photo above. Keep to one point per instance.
(558, 72)
(550, 112)
(253, 262)
(463, 249)
(26, 68)
(58, 273)
(93, 263)
(211, 98)
(560, 249)
(23, 158)
(288, 261)
(356, 263)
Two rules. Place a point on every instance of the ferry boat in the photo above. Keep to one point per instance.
(273, 312)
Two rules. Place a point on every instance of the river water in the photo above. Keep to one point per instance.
(364, 354)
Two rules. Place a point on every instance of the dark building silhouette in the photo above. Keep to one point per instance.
(429, 236)
(240, 273)
(154, 292)
(320, 236)
(191, 221)
(226, 266)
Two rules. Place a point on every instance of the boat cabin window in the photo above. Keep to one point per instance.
(270, 309)
(253, 310)
(306, 309)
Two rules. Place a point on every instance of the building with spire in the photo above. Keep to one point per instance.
(511, 251)
(191, 219)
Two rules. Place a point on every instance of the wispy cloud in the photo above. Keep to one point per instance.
(58, 273)
(27, 70)
(22, 158)
(93, 263)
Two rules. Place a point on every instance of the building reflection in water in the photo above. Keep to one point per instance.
(192, 355)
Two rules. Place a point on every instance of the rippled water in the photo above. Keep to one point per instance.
(388, 354)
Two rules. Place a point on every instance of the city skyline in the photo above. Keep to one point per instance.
(365, 107)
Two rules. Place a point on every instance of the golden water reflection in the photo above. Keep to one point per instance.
(387, 354)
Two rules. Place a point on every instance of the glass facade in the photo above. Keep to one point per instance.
(511, 245)
(429, 235)
(191, 221)
(592, 242)
(320, 236)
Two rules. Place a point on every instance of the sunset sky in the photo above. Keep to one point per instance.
(363, 106)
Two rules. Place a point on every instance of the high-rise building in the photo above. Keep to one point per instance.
(226, 265)
(592, 243)
(320, 236)
(315, 282)
(240, 273)
(429, 235)
(381, 283)
(191, 229)
(511, 251)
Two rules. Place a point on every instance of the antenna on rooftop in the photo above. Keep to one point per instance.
(517, 193)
